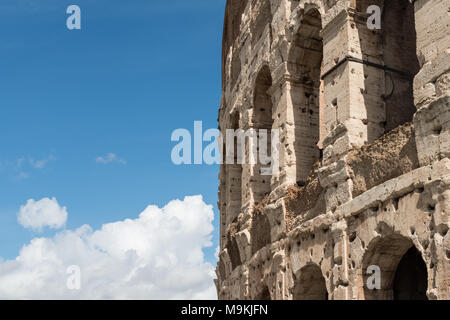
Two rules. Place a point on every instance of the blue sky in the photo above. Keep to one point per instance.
(135, 72)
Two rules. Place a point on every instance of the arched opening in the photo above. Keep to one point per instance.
(262, 101)
(398, 38)
(410, 282)
(234, 178)
(310, 284)
(233, 16)
(262, 122)
(402, 271)
(307, 93)
(390, 65)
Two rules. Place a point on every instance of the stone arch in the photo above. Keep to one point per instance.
(388, 88)
(233, 176)
(232, 22)
(310, 284)
(262, 121)
(298, 10)
(402, 269)
(262, 117)
(305, 66)
(400, 53)
(260, 22)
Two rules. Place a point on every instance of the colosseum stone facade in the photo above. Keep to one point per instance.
(364, 169)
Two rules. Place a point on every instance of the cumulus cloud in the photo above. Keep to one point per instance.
(110, 158)
(37, 215)
(158, 255)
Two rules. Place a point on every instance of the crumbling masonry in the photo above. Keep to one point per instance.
(364, 177)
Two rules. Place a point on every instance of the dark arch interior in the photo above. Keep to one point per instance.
(310, 285)
(389, 94)
(307, 92)
(262, 104)
(234, 179)
(264, 295)
(262, 119)
(403, 271)
(398, 40)
(411, 280)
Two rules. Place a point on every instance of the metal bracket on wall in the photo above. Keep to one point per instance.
(368, 63)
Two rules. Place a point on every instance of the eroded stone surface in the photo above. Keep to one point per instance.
(364, 180)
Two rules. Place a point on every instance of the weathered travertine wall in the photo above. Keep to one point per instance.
(364, 179)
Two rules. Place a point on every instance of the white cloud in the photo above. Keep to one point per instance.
(22, 176)
(158, 255)
(19, 169)
(44, 213)
(216, 254)
(110, 158)
(40, 163)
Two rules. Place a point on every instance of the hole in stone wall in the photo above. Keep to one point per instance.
(395, 202)
(442, 229)
(264, 295)
(334, 103)
(394, 47)
(437, 130)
